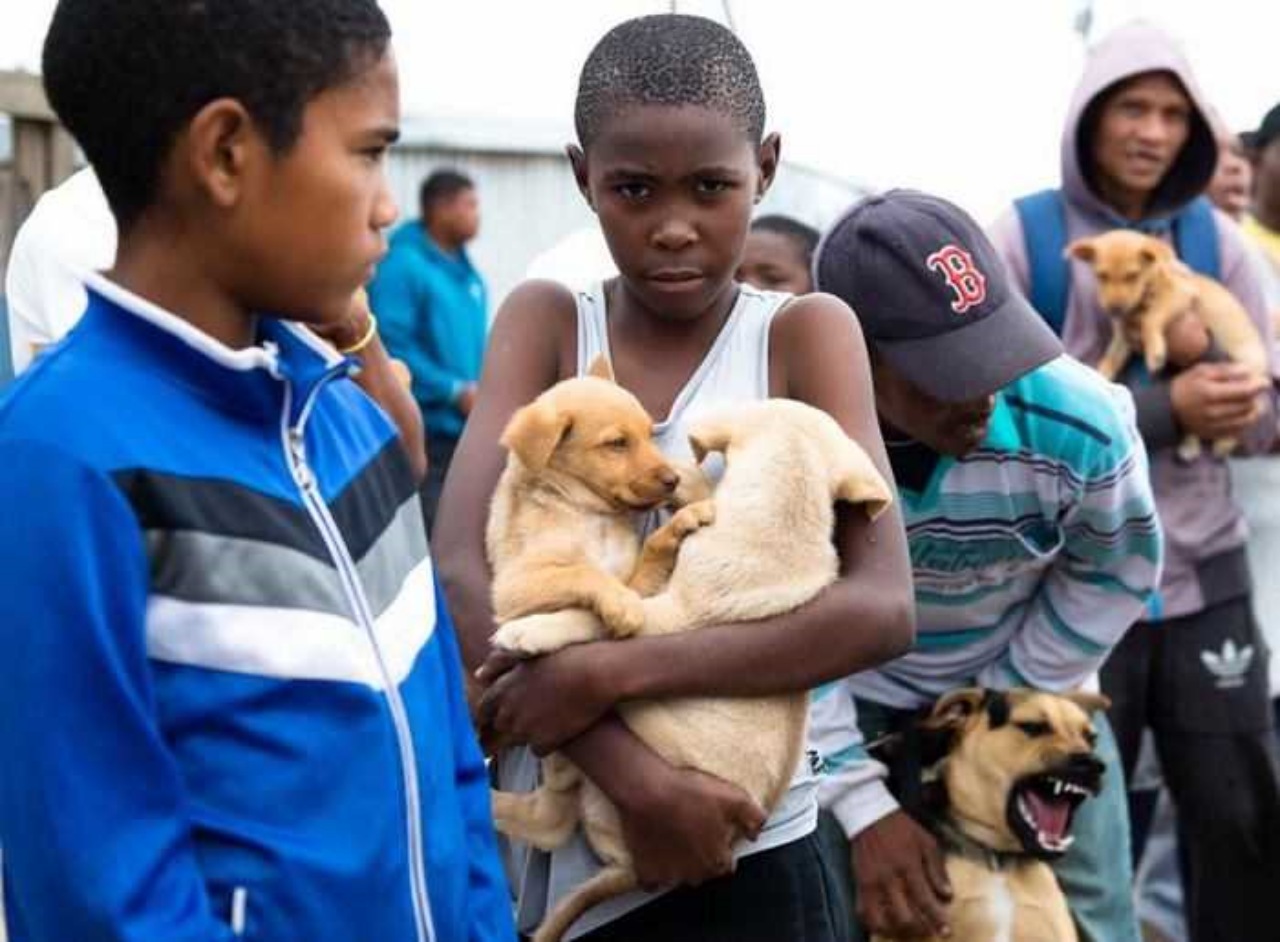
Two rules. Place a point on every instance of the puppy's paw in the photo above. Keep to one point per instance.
(622, 613)
(1224, 447)
(1189, 448)
(1155, 361)
(693, 518)
(527, 636)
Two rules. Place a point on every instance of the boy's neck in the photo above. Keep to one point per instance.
(158, 264)
(443, 238)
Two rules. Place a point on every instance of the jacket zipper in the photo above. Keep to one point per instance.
(295, 454)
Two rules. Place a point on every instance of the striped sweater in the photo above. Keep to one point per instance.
(230, 698)
(1031, 557)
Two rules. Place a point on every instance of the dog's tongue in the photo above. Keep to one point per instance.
(1052, 816)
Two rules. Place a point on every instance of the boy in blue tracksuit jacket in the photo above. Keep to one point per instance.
(230, 699)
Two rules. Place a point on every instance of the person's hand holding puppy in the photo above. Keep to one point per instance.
(1216, 400)
(902, 885)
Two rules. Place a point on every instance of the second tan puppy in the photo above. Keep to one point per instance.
(1015, 767)
(1143, 286)
(769, 551)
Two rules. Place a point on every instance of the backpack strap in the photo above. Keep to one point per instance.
(1195, 236)
(1044, 233)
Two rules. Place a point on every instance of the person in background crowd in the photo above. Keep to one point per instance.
(1138, 152)
(1263, 222)
(778, 255)
(433, 311)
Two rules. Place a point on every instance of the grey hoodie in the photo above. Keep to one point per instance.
(1204, 530)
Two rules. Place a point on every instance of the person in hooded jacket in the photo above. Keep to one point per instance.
(1138, 153)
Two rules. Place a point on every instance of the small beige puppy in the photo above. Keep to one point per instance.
(1143, 286)
(562, 524)
(1016, 767)
(769, 551)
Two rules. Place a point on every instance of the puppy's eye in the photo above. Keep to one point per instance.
(1035, 728)
(1091, 737)
(620, 443)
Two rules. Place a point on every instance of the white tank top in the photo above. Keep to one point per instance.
(735, 369)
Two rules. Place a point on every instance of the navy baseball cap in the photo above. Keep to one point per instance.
(932, 295)
(1266, 132)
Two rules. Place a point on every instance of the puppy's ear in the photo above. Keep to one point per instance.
(1154, 250)
(856, 480)
(709, 436)
(534, 432)
(954, 708)
(601, 368)
(1083, 249)
(1089, 702)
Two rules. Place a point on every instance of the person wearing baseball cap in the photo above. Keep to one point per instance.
(1263, 222)
(1033, 538)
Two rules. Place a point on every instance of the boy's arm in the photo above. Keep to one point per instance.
(852, 786)
(680, 825)
(817, 356)
(1100, 580)
(488, 898)
(97, 839)
(1242, 277)
(395, 297)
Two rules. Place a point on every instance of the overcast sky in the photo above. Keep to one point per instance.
(962, 98)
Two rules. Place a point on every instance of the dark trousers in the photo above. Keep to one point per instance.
(439, 457)
(1200, 683)
(787, 894)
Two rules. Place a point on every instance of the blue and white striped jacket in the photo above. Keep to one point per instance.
(230, 698)
(1031, 557)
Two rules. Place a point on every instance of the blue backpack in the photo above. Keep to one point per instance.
(1044, 231)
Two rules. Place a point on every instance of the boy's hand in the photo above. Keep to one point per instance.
(351, 328)
(902, 885)
(545, 701)
(680, 825)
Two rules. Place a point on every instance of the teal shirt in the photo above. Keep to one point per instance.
(432, 310)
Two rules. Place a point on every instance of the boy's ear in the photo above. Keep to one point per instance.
(578, 161)
(534, 432)
(768, 156)
(220, 143)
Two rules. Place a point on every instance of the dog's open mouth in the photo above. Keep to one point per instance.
(1042, 807)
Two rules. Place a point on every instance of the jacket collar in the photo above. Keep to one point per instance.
(251, 379)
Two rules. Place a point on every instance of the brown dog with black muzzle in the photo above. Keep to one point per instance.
(1143, 287)
(1014, 769)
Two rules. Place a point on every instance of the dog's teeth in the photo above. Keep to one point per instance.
(1065, 843)
(1057, 787)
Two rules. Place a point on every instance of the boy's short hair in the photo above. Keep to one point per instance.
(126, 76)
(804, 237)
(669, 59)
(440, 186)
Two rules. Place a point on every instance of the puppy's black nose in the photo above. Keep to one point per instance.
(669, 478)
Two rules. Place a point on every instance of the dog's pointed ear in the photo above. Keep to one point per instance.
(534, 432)
(1089, 702)
(1083, 249)
(708, 436)
(954, 708)
(857, 480)
(601, 368)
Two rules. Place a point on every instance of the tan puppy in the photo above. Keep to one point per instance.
(1015, 768)
(769, 551)
(1143, 286)
(561, 530)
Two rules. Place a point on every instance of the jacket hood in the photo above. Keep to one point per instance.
(1132, 50)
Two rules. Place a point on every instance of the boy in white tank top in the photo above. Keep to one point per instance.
(672, 157)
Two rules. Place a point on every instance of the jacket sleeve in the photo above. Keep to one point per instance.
(97, 843)
(489, 899)
(1104, 573)
(852, 786)
(1242, 278)
(400, 305)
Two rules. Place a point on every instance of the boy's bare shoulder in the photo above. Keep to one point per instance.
(538, 304)
(814, 319)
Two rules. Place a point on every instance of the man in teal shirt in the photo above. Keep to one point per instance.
(432, 309)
